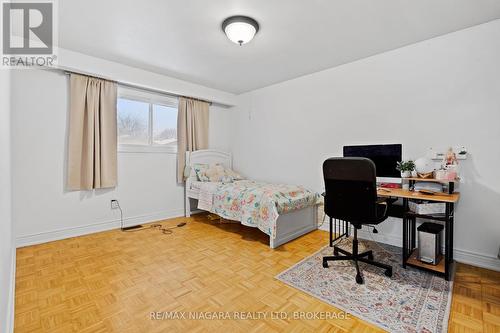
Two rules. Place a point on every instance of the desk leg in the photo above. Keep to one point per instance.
(405, 231)
(331, 231)
(452, 222)
(405, 245)
(447, 243)
(413, 231)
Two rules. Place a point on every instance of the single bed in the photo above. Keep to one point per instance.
(290, 223)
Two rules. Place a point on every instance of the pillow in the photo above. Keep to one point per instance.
(215, 173)
(233, 175)
(210, 172)
(200, 170)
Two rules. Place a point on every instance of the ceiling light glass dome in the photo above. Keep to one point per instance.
(240, 29)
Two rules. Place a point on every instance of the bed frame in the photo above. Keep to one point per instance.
(288, 226)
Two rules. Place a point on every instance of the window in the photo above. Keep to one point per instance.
(146, 122)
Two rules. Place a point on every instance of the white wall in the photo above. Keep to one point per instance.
(42, 209)
(74, 61)
(7, 250)
(441, 92)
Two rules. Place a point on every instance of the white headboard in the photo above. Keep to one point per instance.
(209, 156)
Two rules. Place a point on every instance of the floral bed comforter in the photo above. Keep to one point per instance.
(258, 204)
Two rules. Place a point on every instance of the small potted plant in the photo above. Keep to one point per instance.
(406, 168)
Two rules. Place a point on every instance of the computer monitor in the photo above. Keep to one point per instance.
(385, 158)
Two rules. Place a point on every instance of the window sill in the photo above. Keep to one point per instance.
(147, 149)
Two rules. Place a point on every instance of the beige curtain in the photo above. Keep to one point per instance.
(92, 133)
(192, 130)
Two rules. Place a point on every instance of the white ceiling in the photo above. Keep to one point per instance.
(183, 38)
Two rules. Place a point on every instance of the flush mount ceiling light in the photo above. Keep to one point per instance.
(240, 29)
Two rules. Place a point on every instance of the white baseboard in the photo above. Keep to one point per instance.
(462, 256)
(381, 237)
(12, 290)
(53, 235)
(477, 259)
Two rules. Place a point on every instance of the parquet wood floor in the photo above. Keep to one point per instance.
(112, 281)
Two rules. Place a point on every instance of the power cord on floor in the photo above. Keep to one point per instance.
(165, 231)
(121, 215)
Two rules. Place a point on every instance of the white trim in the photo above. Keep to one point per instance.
(463, 256)
(165, 149)
(477, 259)
(140, 95)
(9, 325)
(59, 234)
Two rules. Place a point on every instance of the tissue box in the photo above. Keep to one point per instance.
(427, 208)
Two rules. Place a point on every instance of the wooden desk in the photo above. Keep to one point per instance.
(400, 193)
(409, 227)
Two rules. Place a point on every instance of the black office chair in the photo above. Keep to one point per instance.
(351, 195)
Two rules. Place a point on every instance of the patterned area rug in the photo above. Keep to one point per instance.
(411, 301)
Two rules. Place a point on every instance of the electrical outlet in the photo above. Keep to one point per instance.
(114, 204)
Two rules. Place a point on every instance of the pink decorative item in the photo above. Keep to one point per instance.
(450, 165)
(452, 174)
(450, 158)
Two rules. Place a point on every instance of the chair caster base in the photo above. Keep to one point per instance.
(365, 257)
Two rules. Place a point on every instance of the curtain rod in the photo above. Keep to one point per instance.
(130, 85)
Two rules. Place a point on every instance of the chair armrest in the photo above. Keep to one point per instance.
(384, 203)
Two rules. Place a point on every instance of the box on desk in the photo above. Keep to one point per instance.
(427, 208)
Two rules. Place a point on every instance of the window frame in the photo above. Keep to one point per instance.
(151, 99)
